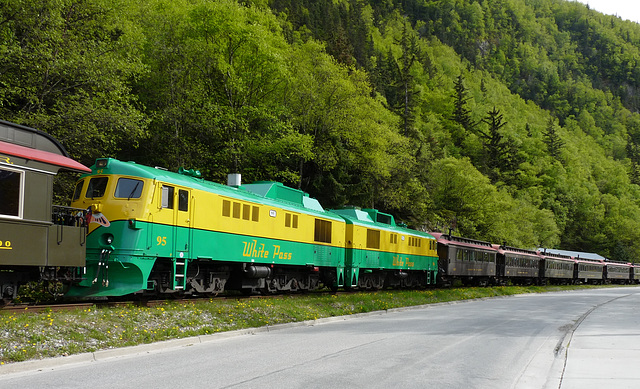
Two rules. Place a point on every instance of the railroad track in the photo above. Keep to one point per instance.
(29, 308)
(35, 308)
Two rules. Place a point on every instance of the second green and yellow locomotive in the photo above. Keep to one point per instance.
(153, 231)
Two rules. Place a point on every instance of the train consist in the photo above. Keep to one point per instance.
(134, 229)
(480, 263)
(152, 231)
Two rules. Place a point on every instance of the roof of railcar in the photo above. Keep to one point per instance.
(31, 144)
(267, 193)
(383, 221)
(557, 256)
(447, 239)
(508, 249)
(574, 254)
(590, 261)
(617, 264)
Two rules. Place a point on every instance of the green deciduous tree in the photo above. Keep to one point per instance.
(464, 199)
(355, 139)
(65, 68)
(216, 90)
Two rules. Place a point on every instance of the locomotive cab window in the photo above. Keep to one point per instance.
(96, 188)
(167, 196)
(11, 189)
(128, 188)
(183, 200)
(78, 191)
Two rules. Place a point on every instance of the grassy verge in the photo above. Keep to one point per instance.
(50, 334)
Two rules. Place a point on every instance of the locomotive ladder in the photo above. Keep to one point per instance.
(180, 274)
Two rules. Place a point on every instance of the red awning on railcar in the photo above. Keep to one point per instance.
(11, 149)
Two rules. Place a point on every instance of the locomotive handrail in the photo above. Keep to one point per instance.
(68, 216)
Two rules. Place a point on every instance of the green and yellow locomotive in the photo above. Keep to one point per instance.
(153, 231)
(382, 254)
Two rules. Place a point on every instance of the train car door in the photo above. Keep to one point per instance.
(176, 213)
(359, 260)
(183, 222)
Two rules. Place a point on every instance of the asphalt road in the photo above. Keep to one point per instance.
(514, 342)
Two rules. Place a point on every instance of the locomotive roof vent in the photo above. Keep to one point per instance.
(234, 179)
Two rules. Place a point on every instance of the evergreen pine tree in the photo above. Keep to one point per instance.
(461, 113)
(501, 159)
(552, 139)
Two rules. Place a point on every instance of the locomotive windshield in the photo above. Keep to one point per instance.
(128, 188)
(78, 190)
(97, 187)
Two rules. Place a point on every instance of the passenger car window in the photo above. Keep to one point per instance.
(128, 188)
(97, 187)
(10, 192)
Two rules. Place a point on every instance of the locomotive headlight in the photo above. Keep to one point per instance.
(107, 239)
(101, 163)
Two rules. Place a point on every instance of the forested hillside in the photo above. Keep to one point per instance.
(507, 120)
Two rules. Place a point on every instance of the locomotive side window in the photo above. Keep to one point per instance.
(290, 220)
(167, 196)
(11, 184)
(246, 211)
(183, 200)
(239, 210)
(78, 191)
(128, 188)
(382, 218)
(322, 231)
(373, 239)
(97, 187)
(226, 208)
